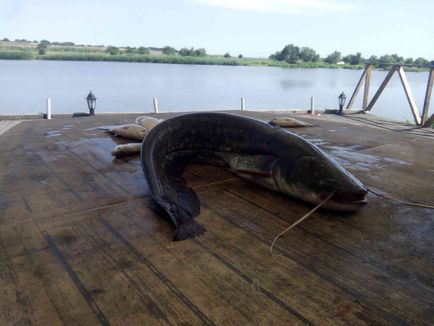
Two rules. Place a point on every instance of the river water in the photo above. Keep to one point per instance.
(130, 87)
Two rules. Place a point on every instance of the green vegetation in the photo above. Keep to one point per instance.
(290, 56)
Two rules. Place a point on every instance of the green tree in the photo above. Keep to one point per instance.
(42, 48)
(373, 59)
(421, 61)
(130, 50)
(191, 52)
(308, 55)
(143, 50)
(227, 55)
(200, 52)
(6, 40)
(186, 52)
(354, 59)
(290, 53)
(333, 58)
(240, 56)
(168, 50)
(112, 50)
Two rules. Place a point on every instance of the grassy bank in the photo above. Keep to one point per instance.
(29, 51)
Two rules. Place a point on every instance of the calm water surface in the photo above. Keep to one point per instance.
(130, 87)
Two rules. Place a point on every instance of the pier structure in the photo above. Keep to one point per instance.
(420, 119)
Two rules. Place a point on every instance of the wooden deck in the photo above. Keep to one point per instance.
(81, 243)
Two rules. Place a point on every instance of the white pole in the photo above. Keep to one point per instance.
(48, 108)
(155, 105)
(243, 104)
(312, 105)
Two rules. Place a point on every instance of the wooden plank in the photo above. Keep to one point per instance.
(280, 276)
(124, 291)
(382, 86)
(367, 83)
(358, 234)
(359, 279)
(222, 294)
(427, 100)
(359, 84)
(409, 95)
(35, 289)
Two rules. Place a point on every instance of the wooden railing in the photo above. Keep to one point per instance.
(420, 120)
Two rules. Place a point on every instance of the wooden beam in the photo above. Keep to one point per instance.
(381, 88)
(367, 82)
(409, 95)
(427, 96)
(356, 90)
(429, 122)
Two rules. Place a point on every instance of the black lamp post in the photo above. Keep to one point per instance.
(91, 103)
(341, 99)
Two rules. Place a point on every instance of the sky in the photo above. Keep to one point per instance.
(254, 28)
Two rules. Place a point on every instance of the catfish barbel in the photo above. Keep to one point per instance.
(254, 150)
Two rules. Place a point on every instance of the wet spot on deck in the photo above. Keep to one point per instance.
(54, 133)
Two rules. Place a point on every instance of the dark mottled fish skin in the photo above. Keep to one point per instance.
(255, 150)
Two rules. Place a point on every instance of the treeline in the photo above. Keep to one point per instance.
(290, 56)
(293, 54)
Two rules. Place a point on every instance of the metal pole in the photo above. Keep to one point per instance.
(312, 105)
(155, 101)
(243, 104)
(48, 108)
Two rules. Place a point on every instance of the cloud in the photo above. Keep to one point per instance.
(281, 6)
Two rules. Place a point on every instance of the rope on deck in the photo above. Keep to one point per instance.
(299, 221)
(401, 201)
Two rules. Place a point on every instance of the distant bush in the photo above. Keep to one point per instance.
(168, 50)
(142, 50)
(227, 55)
(191, 52)
(112, 50)
(16, 55)
(42, 48)
(130, 50)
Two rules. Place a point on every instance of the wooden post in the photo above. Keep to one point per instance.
(367, 82)
(381, 88)
(409, 95)
(312, 105)
(429, 122)
(155, 101)
(48, 108)
(427, 97)
(243, 104)
(356, 90)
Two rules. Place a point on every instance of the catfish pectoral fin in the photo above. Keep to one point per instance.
(188, 229)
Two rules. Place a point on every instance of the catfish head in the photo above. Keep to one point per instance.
(314, 178)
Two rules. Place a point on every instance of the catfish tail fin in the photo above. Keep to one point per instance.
(188, 229)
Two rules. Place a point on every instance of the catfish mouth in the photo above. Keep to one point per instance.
(345, 201)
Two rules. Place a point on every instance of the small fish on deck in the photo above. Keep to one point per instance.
(129, 131)
(286, 122)
(127, 149)
(147, 122)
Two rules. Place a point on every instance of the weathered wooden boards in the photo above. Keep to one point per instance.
(82, 243)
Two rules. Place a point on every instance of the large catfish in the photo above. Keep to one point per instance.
(254, 150)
